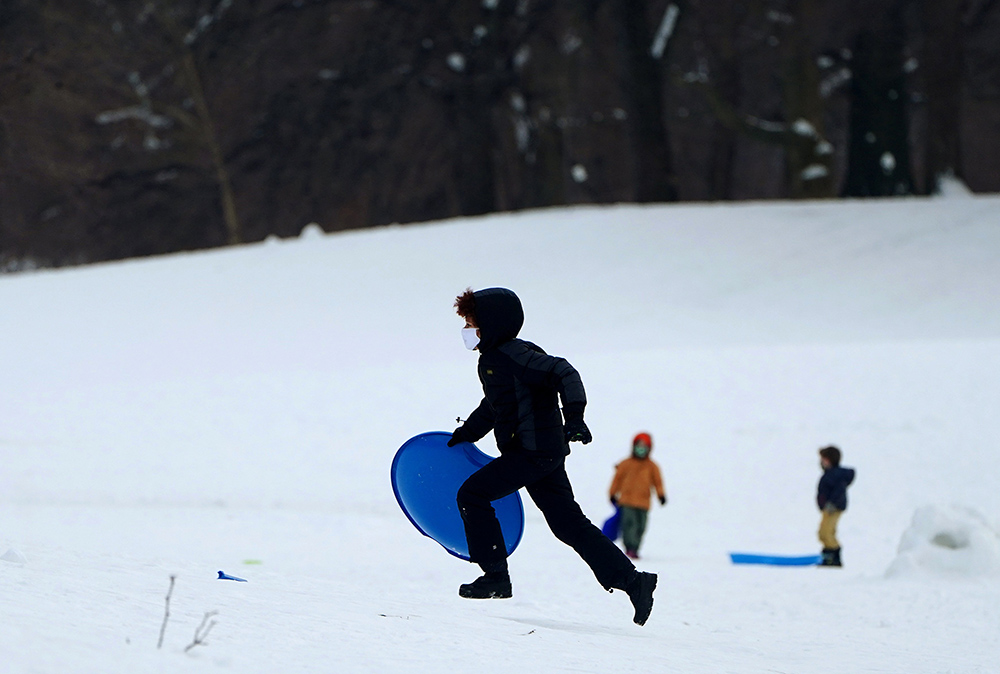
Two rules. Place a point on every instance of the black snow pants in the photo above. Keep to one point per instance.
(546, 481)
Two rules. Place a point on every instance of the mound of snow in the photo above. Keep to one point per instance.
(951, 186)
(14, 556)
(312, 231)
(947, 540)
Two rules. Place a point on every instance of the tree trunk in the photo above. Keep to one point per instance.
(234, 232)
(942, 69)
(654, 178)
(809, 164)
(722, 155)
(474, 173)
(879, 148)
(206, 124)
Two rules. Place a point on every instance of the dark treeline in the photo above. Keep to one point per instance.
(141, 127)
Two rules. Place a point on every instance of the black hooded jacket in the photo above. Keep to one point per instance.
(832, 489)
(520, 382)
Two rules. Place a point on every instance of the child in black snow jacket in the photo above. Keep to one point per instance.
(522, 386)
(831, 497)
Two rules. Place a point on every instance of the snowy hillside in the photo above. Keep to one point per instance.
(239, 409)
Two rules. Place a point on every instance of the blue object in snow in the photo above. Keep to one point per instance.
(426, 475)
(775, 560)
(612, 526)
(225, 576)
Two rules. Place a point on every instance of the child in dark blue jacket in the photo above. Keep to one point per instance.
(831, 497)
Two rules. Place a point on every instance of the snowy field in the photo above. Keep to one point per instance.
(238, 410)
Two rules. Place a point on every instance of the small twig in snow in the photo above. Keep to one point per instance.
(202, 631)
(166, 612)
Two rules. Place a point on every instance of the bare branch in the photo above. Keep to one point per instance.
(203, 629)
(729, 117)
(166, 612)
(189, 69)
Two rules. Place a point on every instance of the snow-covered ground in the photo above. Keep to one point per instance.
(238, 410)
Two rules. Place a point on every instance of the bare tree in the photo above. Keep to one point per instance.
(204, 122)
(172, 101)
(799, 127)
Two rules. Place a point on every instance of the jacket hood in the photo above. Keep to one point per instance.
(500, 316)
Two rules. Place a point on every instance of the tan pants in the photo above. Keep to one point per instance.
(828, 529)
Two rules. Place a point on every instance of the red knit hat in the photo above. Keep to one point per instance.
(644, 438)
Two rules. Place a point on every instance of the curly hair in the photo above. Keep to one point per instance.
(465, 306)
(831, 454)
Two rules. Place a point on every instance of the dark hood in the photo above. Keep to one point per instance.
(500, 316)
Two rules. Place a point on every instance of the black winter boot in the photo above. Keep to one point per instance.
(492, 585)
(640, 591)
(831, 557)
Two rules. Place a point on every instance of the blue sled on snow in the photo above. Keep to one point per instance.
(225, 576)
(775, 560)
(426, 474)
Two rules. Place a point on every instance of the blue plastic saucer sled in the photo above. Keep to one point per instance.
(612, 526)
(426, 475)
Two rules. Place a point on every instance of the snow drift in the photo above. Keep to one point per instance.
(948, 540)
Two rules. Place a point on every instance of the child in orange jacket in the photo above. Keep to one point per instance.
(634, 478)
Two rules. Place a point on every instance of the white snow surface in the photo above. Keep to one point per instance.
(238, 410)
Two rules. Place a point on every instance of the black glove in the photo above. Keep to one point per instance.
(614, 501)
(577, 431)
(663, 500)
(457, 436)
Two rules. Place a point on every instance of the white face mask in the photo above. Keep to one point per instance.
(470, 338)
